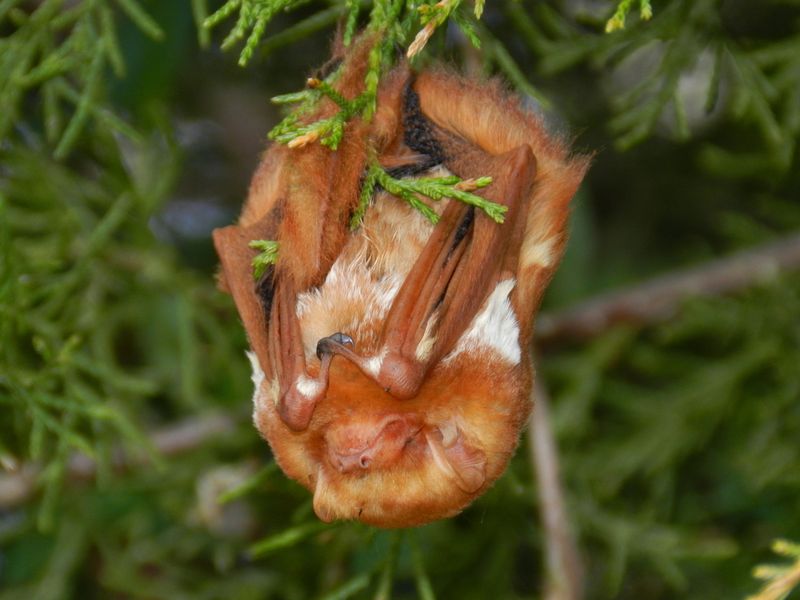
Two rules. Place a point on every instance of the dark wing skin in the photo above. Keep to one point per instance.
(232, 246)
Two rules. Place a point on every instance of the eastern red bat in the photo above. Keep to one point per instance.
(390, 361)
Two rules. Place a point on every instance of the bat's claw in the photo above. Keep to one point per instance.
(342, 338)
(328, 345)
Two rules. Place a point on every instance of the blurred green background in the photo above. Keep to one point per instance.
(126, 135)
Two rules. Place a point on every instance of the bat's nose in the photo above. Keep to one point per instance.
(374, 443)
(348, 463)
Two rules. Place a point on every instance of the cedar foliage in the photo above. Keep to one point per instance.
(679, 441)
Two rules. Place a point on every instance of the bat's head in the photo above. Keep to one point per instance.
(370, 457)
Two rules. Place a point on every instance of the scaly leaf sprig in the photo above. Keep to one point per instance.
(328, 131)
(268, 255)
(617, 20)
(434, 188)
(432, 16)
(780, 579)
(254, 16)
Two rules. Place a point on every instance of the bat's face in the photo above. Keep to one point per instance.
(365, 456)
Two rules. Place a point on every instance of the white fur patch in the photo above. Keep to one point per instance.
(258, 374)
(350, 300)
(374, 364)
(494, 328)
(310, 388)
(425, 346)
(261, 393)
(363, 282)
(537, 252)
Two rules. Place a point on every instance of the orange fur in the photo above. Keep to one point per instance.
(422, 411)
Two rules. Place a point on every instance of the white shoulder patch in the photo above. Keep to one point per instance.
(538, 252)
(374, 364)
(494, 328)
(308, 387)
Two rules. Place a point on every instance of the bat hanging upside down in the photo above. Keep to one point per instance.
(390, 361)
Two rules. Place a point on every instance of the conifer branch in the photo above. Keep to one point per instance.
(432, 16)
(780, 579)
(268, 255)
(386, 22)
(617, 20)
(184, 436)
(434, 188)
(62, 50)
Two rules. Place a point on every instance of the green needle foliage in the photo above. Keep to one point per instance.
(61, 51)
(267, 255)
(752, 77)
(678, 441)
(780, 579)
(79, 264)
(434, 188)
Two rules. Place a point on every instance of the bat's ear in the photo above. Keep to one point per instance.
(457, 458)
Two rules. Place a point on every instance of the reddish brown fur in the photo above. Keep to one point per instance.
(486, 115)
(362, 450)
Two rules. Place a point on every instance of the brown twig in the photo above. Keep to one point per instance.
(564, 571)
(660, 298)
(18, 486)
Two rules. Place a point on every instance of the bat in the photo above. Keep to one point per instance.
(390, 362)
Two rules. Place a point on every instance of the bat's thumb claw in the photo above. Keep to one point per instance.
(328, 345)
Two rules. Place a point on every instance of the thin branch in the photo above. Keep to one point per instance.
(18, 486)
(564, 571)
(660, 298)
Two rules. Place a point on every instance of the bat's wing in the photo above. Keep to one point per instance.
(267, 308)
(236, 257)
(465, 256)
